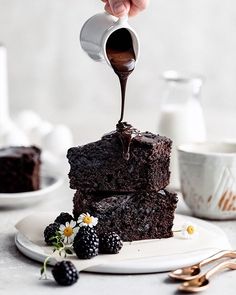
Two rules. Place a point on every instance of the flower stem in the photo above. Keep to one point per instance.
(44, 269)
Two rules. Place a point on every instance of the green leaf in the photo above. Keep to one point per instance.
(55, 247)
(60, 244)
(68, 251)
(52, 238)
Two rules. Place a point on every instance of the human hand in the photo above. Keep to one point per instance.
(121, 7)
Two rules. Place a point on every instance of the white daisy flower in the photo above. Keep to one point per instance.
(189, 231)
(68, 231)
(85, 219)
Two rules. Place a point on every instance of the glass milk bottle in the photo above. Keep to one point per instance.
(181, 117)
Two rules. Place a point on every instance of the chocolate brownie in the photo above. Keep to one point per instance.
(134, 216)
(101, 165)
(19, 169)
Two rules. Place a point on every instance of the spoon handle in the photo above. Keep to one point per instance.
(221, 254)
(221, 266)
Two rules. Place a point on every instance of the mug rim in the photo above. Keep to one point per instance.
(197, 148)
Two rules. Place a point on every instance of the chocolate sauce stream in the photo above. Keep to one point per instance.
(123, 82)
(120, 52)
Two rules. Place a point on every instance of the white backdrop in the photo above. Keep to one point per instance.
(49, 72)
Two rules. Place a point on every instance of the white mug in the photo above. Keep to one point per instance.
(208, 179)
(96, 31)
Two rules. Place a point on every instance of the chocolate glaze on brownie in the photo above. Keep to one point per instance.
(134, 216)
(126, 133)
(19, 169)
(101, 166)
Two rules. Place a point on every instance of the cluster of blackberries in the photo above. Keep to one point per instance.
(86, 245)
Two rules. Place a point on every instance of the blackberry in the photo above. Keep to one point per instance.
(65, 273)
(110, 243)
(86, 243)
(50, 231)
(63, 218)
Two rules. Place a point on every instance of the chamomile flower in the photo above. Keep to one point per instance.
(189, 230)
(68, 231)
(85, 219)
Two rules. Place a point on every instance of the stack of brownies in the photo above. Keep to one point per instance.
(127, 195)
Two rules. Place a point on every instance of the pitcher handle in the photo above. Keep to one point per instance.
(122, 20)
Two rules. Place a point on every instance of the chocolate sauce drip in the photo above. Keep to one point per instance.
(120, 52)
(126, 133)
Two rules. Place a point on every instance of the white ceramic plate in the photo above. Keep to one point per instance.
(49, 183)
(137, 257)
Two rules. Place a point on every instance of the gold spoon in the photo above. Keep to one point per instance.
(191, 272)
(201, 283)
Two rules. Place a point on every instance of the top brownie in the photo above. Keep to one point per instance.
(101, 165)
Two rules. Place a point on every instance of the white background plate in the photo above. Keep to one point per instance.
(49, 183)
(137, 257)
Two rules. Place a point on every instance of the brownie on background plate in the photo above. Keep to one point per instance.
(100, 165)
(19, 169)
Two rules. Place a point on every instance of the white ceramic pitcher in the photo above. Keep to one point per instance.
(96, 31)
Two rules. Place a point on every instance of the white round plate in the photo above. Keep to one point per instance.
(49, 183)
(147, 256)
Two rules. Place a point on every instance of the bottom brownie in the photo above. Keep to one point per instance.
(134, 216)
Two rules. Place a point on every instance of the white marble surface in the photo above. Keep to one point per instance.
(20, 275)
(49, 73)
